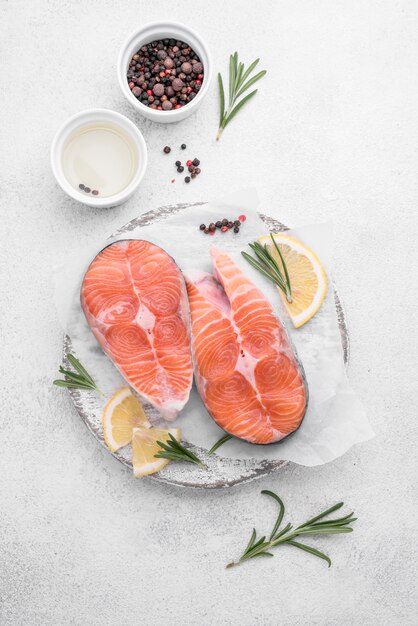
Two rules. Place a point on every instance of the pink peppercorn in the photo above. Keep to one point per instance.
(131, 85)
(224, 229)
(242, 218)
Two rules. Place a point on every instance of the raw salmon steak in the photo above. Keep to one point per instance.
(135, 300)
(246, 370)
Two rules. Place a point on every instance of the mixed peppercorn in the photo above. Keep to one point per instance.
(165, 74)
(223, 225)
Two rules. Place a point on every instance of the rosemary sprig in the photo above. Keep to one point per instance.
(79, 380)
(173, 450)
(239, 83)
(267, 265)
(286, 536)
(218, 444)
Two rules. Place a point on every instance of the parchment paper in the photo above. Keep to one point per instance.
(335, 419)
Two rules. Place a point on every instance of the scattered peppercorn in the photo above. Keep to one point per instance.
(167, 149)
(230, 224)
(191, 168)
(218, 224)
(236, 229)
(180, 169)
(189, 162)
(81, 186)
(224, 222)
(183, 146)
(198, 170)
(87, 189)
(224, 229)
(206, 230)
(212, 226)
(242, 218)
(178, 163)
(95, 192)
(196, 162)
(202, 226)
(187, 179)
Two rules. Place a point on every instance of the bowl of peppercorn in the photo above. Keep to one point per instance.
(164, 71)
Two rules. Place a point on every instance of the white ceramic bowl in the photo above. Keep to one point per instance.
(164, 30)
(91, 116)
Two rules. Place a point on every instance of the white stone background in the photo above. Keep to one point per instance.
(333, 133)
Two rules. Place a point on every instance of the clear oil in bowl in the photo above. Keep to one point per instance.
(101, 157)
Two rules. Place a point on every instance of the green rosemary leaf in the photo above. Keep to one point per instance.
(251, 82)
(76, 378)
(276, 526)
(221, 98)
(283, 263)
(232, 72)
(285, 530)
(218, 444)
(263, 554)
(238, 107)
(321, 515)
(324, 531)
(238, 80)
(250, 69)
(258, 266)
(70, 385)
(251, 542)
(80, 369)
(311, 550)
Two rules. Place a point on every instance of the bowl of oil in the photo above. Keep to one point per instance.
(99, 157)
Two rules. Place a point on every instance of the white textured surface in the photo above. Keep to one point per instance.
(334, 135)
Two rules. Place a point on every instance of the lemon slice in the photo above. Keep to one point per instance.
(308, 280)
(145, 446)
(121, 414)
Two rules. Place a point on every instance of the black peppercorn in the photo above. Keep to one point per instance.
(81, 186)
(206, 230)
(237, 223)
(183, 146)
(87, 189)
(191, 168)
(180, 169)
(187, 179)
(167, 149)
(196, 162)
(197, 170)
(95, 192)
(212, 227)
(236, 229)
(230, 224)
(224, 222)
(178, 163)
(202, 226)
(218, 224)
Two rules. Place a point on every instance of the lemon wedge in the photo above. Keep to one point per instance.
(120, 416)
(145, 447)
(124, 421)
(308, 280)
